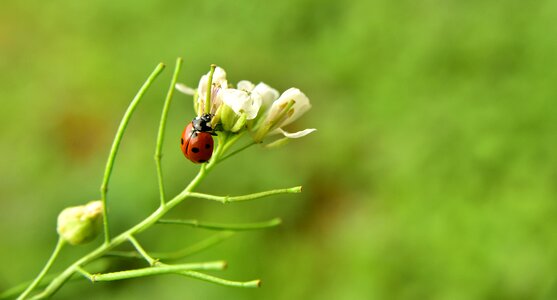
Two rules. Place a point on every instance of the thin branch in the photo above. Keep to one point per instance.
(72, 271)
(59, 245)
(116, 145)
(162, 127)
(196, 248)
(100, 251)
(217, 280)
(158, 270)
(231, 139)
(237, 151)
(227, 199)
(14, 291)
(222, 226)
(85, 274)
(200, 246)
(142, 251)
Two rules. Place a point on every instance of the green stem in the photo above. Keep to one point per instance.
(225, 142)
(213, 279)
(227, 199)
(142, 251)
(158, 270)
(229, 141)
(57, 249)
(82, 271)
(237, 151)
(116, 145)
(141, 226)
(16, 290)
(195, 248)
(162, 127)
(220, 226)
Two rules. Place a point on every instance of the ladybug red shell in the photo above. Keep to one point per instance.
(197, 140)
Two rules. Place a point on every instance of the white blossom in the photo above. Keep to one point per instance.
(259, 106)
(242, 101)
(291, 105)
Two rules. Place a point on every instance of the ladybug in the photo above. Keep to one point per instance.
(197, 139)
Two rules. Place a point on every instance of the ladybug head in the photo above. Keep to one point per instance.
(206, 118)
(202, 123)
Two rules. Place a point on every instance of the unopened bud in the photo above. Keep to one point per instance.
(227, 117)
(240, 123)
(80, 224)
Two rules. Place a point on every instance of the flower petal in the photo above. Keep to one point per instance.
(245, 85)
(301, 105)
(242, 102)
(219, 82)
(295, 135)
(268, 94)
(219, 79)
(185, 89)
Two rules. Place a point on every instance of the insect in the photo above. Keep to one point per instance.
(197, 140)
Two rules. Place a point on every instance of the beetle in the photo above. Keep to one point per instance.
(197, 139)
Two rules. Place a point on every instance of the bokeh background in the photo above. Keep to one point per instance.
(433, 173)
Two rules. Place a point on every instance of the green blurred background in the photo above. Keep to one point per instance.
(433, 173)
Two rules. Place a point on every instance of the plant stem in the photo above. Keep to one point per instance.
(142, 251)
(59, 246)
(238, 150)
(227, 199)
(141, 226)
(16, 290)
(162, 269)
(195, 248)
(116, 145)
(231, 140)
(225, 142)
(221, 226)
(162, 127)
(213, 279)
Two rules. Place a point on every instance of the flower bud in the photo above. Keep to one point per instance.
(240, 123)
(227, 117)
(80, 224)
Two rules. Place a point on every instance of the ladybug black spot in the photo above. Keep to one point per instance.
(181, 141)
(201, 161)
(207, 146)
(194, 149)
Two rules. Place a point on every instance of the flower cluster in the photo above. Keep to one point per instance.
(258, 108)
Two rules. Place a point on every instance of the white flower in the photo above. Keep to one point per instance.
(301, 105)
(242, 100)
(249, 98)
(259, 107)
(219, 83)
(245, 85)
(268, 95)
(291, 105)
